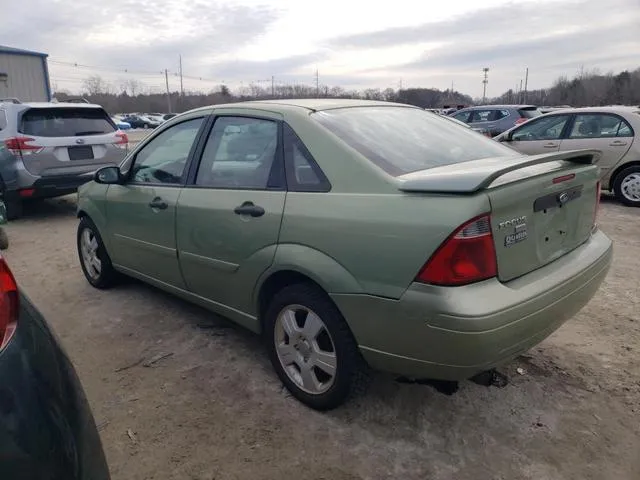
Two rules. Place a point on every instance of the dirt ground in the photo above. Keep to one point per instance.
(212, 408)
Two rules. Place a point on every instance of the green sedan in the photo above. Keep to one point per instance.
(352, 234)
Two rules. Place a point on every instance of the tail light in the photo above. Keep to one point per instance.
(8, 303)
(521, 120)
(122, 140)
(597, 207)
(22, 146)
(467, 256)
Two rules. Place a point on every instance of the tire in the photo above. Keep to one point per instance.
(14, 208)
(626, 186)
(289, 356)
(105, 276)
(145, 126)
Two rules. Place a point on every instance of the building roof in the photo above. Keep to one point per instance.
(19, 51)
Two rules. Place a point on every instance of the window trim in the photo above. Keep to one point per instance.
(290, 138)
(154, 135)
(278, 161)
(611, 114)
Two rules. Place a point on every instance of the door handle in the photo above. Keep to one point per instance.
(550, 145)
(617, 144)
(158, 203)
(248, 208)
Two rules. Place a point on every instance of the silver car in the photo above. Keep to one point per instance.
(495, 119)
(49, 149)
(612, 130)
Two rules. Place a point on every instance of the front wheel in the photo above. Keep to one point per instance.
(95, 262)
(312, 349)
(627, 186)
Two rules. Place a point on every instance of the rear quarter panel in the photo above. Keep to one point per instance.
(380, 240)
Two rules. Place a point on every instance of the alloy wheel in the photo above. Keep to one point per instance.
(89, 251)
(305, 349)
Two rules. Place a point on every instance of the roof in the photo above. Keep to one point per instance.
(19, 51)
(51, 105)
(477, 107)
(612, 109)
(313, 104)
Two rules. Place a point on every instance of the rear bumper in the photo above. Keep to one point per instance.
(55, 186)
(452, 333)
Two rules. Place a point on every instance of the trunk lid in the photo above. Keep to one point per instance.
(542, 206)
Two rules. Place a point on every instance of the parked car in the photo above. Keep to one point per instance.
(141, 121)
(496, 118)
(122, 125)
(47, 429)
(169, 116)
(156, 117)
(49, 149)
(612, 130)
(405, 242)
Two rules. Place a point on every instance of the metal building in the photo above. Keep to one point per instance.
(24, 75)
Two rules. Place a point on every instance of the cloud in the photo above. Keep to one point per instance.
(138, 34)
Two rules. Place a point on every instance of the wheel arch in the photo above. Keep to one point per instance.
(301, 264)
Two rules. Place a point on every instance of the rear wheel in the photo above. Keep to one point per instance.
(626, 186)
(311, 347)
(95, 262)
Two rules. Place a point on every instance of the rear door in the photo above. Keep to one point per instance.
(540, 135)
(229, 216)
(73, 139)
(141, 213)
(607, 132)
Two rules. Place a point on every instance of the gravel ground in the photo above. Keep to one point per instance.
(211, 407)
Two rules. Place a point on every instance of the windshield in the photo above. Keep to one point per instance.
(402, 140)
(65, 122)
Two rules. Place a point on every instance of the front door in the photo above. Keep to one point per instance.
(609, 133)
(540, 135)
(141, 213)
(229, 216)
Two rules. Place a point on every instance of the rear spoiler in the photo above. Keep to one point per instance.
(475, 175)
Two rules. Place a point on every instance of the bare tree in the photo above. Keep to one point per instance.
(131, 87)
(95, 85)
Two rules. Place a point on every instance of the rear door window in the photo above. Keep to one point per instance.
(402, 140)
(65, 122)
(599, 126)
(481, 116)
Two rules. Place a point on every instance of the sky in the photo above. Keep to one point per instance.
(354, 44)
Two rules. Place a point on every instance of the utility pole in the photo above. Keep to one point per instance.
(520, 96)
(181, 88)
(526, 81)
(273, 87)
(166, 79)
(485, 80)
(317, 84)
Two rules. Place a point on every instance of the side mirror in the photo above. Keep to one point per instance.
(108, 175)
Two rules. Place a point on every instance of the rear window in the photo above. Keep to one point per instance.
(65, 122)
(403, 140)
(529, 112)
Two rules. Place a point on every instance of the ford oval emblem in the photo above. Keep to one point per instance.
(563, 198)
(79, 141)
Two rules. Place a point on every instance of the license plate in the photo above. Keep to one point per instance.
(81, 153)
(514, 238)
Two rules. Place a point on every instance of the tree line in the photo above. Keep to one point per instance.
(585, 89)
